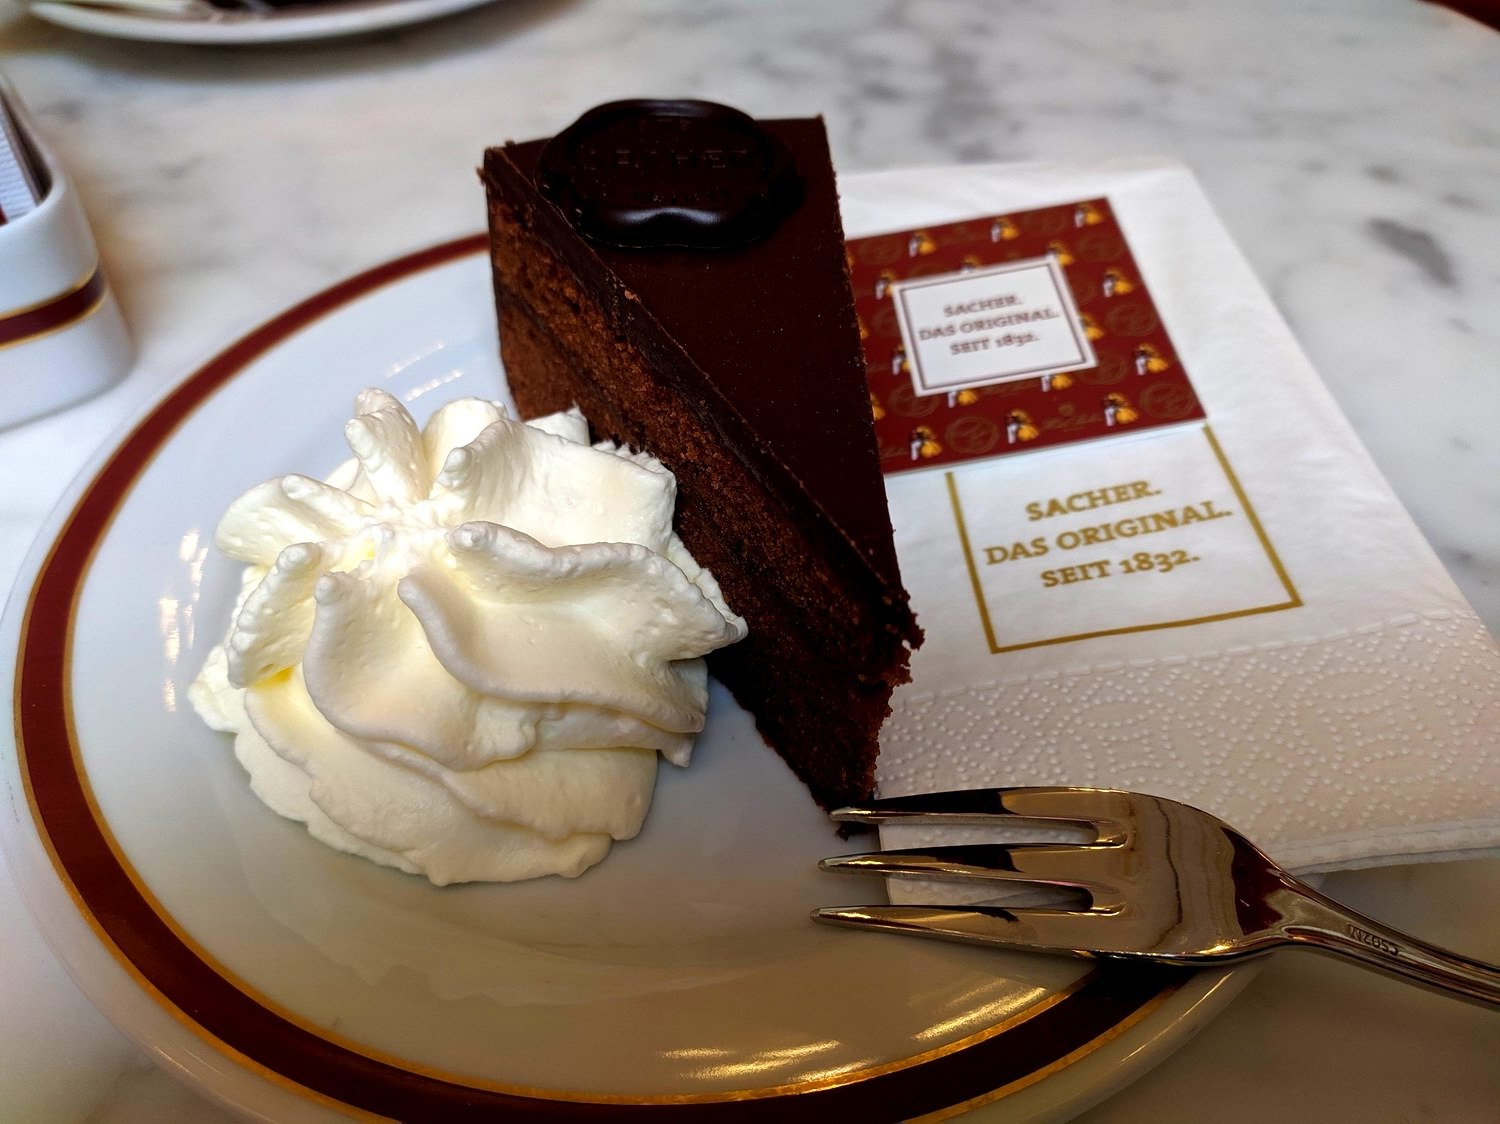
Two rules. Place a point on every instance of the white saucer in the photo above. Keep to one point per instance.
(317, 21)
(681, 976)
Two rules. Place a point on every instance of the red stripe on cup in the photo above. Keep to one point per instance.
(54, 314)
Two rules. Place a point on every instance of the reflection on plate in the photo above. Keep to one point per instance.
(291, 980)
(207, 24)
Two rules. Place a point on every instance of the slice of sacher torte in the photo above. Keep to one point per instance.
(678, 271)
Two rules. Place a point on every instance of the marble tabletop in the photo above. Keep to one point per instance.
(1350, 145)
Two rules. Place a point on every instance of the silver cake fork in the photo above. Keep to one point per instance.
(1165, 882)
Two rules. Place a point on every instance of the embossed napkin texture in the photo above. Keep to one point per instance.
(1340, 703)
(19, 192)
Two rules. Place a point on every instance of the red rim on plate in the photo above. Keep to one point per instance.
(229, 1014)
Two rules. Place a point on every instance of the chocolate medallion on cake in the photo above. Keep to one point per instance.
(650, 174)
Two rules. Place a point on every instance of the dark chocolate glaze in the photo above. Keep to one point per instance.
(646, 174)
(768, 334)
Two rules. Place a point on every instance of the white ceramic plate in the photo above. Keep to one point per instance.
(318, 21)
(681, 978)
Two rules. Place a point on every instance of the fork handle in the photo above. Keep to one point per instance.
(1323, 924)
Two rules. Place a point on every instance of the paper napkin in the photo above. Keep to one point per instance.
(20, 184)
(1236, 613)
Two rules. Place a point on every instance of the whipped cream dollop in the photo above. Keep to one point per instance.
(461, 653)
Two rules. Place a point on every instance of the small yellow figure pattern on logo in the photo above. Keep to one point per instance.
(924, 444)
(1020, 427)
(920, 243)
(1118, 410)
(899, 365)
(1086, 214)
(1115, 284)
(1003, 230)
(1148, 361)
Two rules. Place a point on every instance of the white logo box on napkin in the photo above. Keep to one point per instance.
(931, 314)
(1327, 690)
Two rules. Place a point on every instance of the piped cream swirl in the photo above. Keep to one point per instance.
(461, 653)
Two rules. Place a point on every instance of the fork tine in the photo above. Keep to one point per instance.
(960, 806)
(1105, 810)
(1075, 932)
(1076, 865)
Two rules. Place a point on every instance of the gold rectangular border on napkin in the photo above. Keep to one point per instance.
(1294, 600)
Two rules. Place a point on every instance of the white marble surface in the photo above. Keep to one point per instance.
(1351, 146)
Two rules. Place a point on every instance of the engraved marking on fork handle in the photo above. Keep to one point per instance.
(1363, 936)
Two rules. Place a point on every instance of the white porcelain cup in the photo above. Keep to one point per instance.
(62, 338)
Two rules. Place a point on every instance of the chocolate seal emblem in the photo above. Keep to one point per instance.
(647, 174)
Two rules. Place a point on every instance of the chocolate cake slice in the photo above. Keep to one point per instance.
(678, 271)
